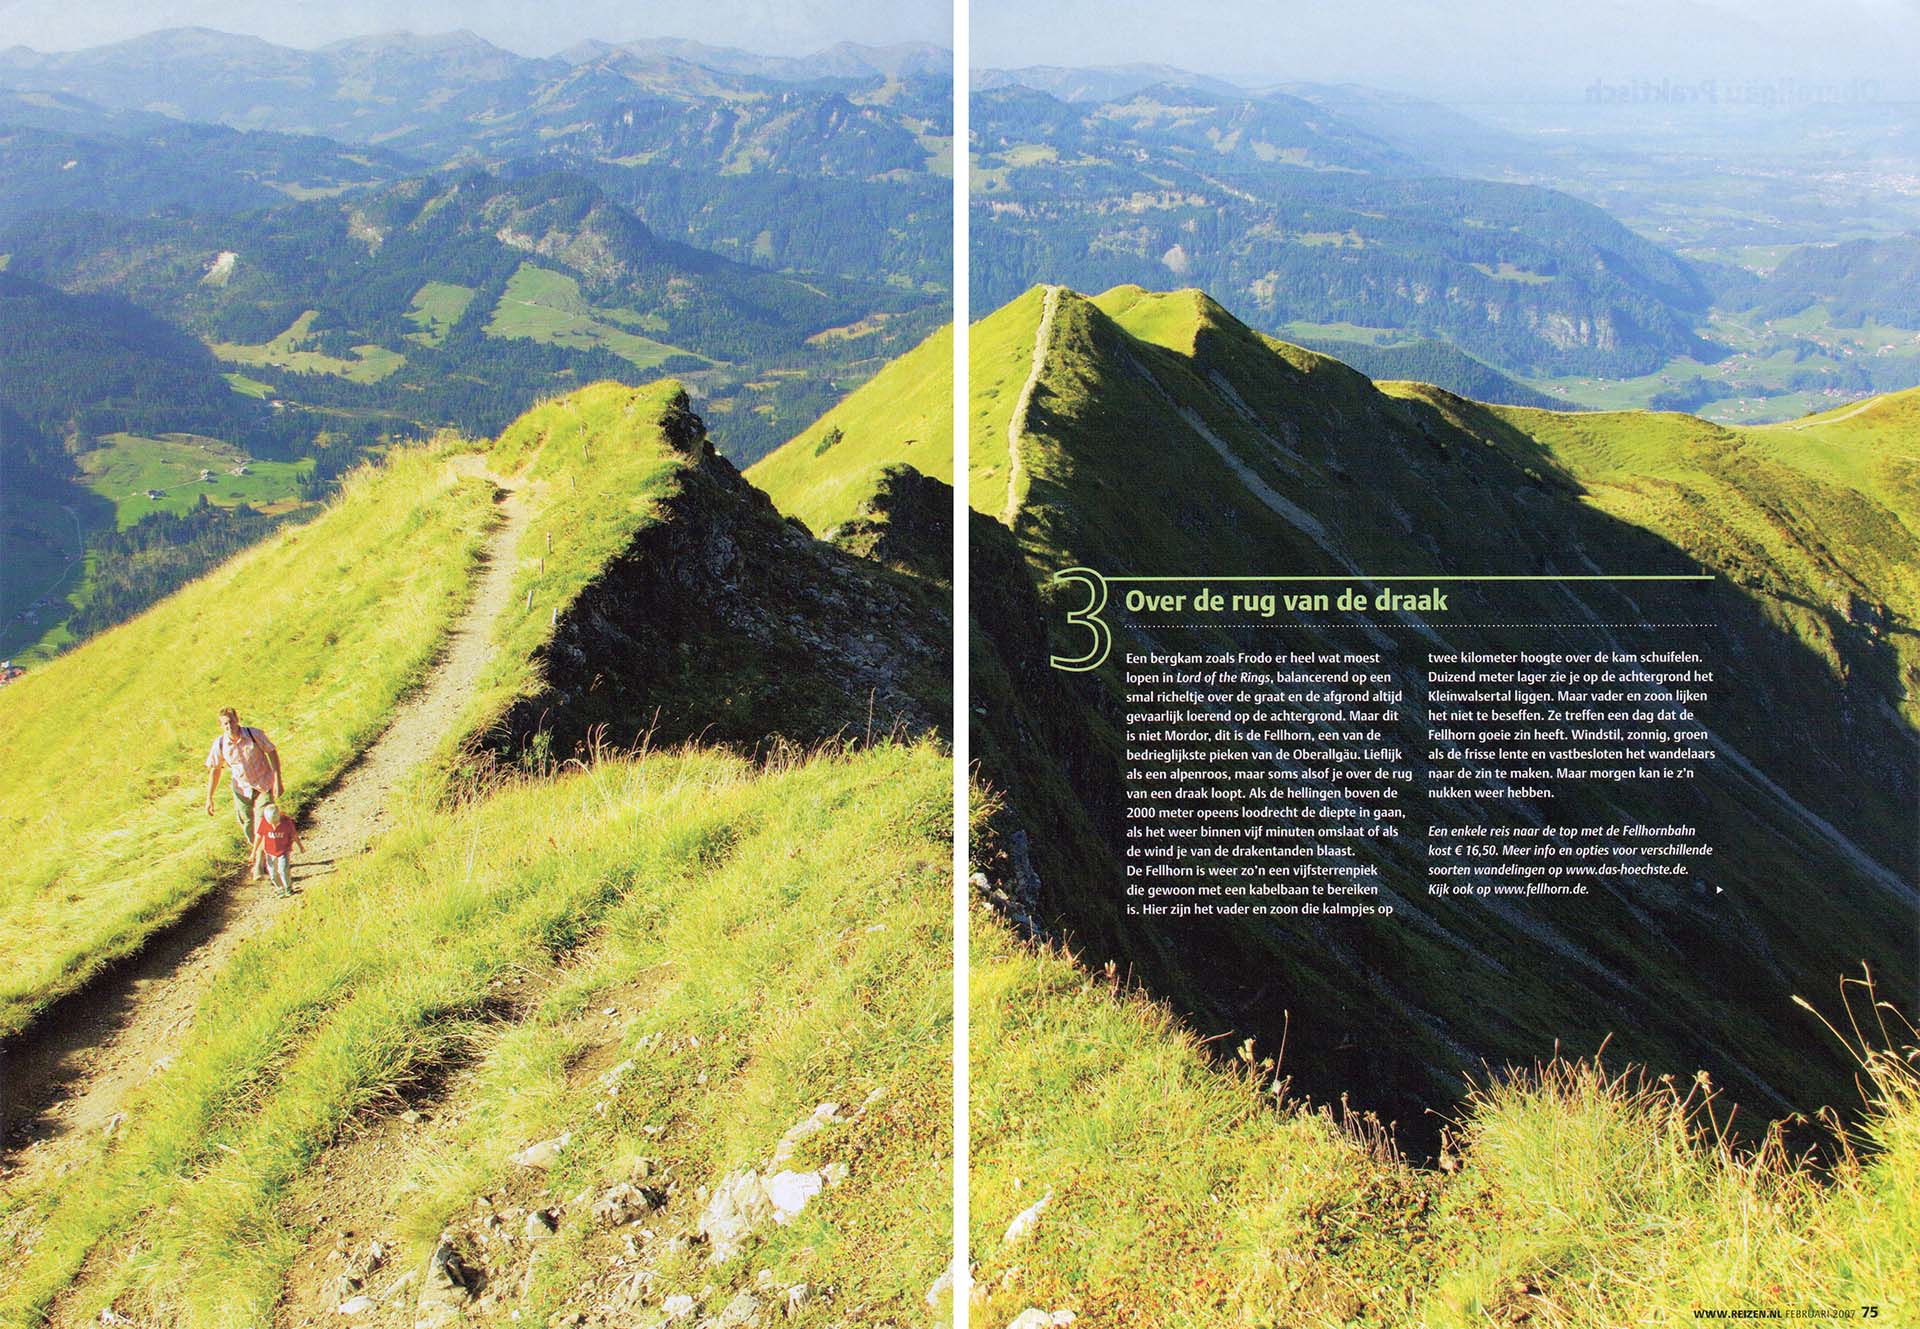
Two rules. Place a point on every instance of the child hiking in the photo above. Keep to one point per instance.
(252, 765)
(275, 837)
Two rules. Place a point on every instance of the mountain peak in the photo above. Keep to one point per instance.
(183, 41)
(1099, 83)
(458, 39)
(1173, 319)
(896, 60)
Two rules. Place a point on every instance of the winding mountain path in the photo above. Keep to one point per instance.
(1016, 423)
(73, 1070)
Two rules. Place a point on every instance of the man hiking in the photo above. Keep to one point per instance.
(252, 764)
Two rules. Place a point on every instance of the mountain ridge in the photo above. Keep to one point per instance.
(1146, 402)
(510, 881)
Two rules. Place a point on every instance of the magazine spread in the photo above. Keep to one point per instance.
(992, 665)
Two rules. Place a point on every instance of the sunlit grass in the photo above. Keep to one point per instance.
(314, 635)
(1185, 1194)
(903, 415)
(792, 919)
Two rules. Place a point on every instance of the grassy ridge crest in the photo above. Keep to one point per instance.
(783, 926)
(316, 635)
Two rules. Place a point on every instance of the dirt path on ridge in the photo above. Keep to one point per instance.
(68, 1074)
(1016, 423)
(1835, 419)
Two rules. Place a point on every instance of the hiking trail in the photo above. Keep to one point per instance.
(1016, 423)
(68, 1074)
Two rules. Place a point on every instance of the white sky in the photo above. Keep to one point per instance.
(1466, 50)
(1460, 51)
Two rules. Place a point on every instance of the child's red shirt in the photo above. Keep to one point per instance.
(276, 840)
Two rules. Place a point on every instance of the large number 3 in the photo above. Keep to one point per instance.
(1088, 618)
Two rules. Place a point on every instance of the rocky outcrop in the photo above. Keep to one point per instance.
(907, 524)
(724, 622)
(642, 1259)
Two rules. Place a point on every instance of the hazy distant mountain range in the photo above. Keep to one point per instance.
(324, 248)
(1367, 222)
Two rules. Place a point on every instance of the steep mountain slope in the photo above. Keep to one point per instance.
(688, 971)
(1157, 435)
(101, 826)
(718, 620)
(92, 380)
(902, 416)
(751, 631)
(719, 980)
(85, 365)
(874, 477)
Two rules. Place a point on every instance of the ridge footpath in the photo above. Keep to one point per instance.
(1017, 422)
(73, 1069)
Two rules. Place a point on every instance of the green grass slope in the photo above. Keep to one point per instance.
(722, 621)
(599, 466)
(750, 943)
(999, 354)
(1162, 437)
(901, 416)
(1820, 519)
(674, 957)
(1175, 1194)
(315, 635)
